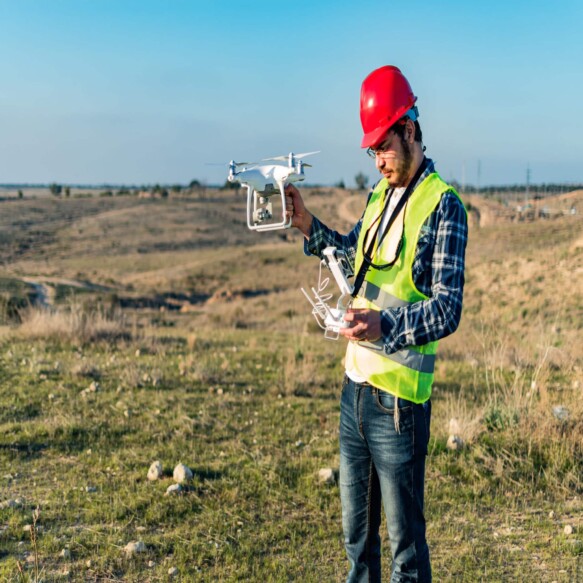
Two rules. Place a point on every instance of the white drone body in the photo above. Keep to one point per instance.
(264, 181)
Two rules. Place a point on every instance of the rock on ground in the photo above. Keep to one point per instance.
(454, 442)
(135, 547)
(326, 476)
(155, 472)
(174, 489)
(561, 412)
(17, 503)
(182, 473)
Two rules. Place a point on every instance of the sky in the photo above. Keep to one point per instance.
(152, 91)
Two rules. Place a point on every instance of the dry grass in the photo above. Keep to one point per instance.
(524, 421)
(243, 388)
(462, 418)
(300, 371)
(73, 324)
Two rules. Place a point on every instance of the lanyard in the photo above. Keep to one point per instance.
(367, 255)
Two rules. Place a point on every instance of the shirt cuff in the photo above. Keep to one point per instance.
(390, 331)
(311, 246)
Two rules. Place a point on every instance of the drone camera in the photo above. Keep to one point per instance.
(262, 214)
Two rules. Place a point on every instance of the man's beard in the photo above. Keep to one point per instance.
(404, 169)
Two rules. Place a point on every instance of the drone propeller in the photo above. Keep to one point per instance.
(299, 156)
(231, 163)
(295, 156)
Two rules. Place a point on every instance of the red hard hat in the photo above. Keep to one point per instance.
(385, 97)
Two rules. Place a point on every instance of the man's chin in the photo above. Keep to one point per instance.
(394, 181)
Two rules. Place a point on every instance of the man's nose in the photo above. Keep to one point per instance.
(379, 162)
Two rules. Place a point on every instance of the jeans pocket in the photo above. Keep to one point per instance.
(386, 403)
(427, 411)
(422, 415)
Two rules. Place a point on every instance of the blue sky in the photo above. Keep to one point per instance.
(148, 91)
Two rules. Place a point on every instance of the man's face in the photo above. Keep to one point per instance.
(393, 159)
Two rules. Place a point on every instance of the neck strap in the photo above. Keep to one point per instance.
(367, 253)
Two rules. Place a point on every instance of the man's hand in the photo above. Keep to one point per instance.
(366, 325)
(295, 208)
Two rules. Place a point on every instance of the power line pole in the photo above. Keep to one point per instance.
(527, 182)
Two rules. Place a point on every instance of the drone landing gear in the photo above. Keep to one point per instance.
(260, 209)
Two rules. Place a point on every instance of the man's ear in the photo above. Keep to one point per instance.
(410, 131)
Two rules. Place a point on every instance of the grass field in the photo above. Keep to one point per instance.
(172, 333)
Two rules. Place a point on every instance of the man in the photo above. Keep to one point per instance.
(408, 254)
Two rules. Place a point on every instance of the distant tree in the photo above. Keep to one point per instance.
(194, 184)
(361, 181)
(164, 193)
(106, 193)
(176, 188)
(20, 194)
(340, 184)
(156, 189)
(231, 185)
(55, 189)
(67, 191)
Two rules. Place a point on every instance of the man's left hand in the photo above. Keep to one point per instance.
(366, 325)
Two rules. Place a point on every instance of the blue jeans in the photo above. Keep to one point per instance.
(377, 462)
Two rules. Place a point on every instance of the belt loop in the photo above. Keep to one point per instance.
(396, 415)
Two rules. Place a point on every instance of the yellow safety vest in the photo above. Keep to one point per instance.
(407, 373)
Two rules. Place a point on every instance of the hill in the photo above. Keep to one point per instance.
(138, 330)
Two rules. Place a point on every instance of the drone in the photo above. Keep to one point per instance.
(263, 181)
(331, 319)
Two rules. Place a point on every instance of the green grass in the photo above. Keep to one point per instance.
(243, 389)
(254, 510)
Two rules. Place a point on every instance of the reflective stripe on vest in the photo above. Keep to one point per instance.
(409, 358)
(406, 357)
(381, 299)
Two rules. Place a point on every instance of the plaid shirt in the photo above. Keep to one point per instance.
(438, 272)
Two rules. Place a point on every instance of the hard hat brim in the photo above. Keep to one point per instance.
(375, 137)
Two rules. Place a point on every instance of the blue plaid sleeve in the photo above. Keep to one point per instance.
(438, 272)
(321, 237)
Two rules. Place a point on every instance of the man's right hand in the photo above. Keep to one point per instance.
(295, 208)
